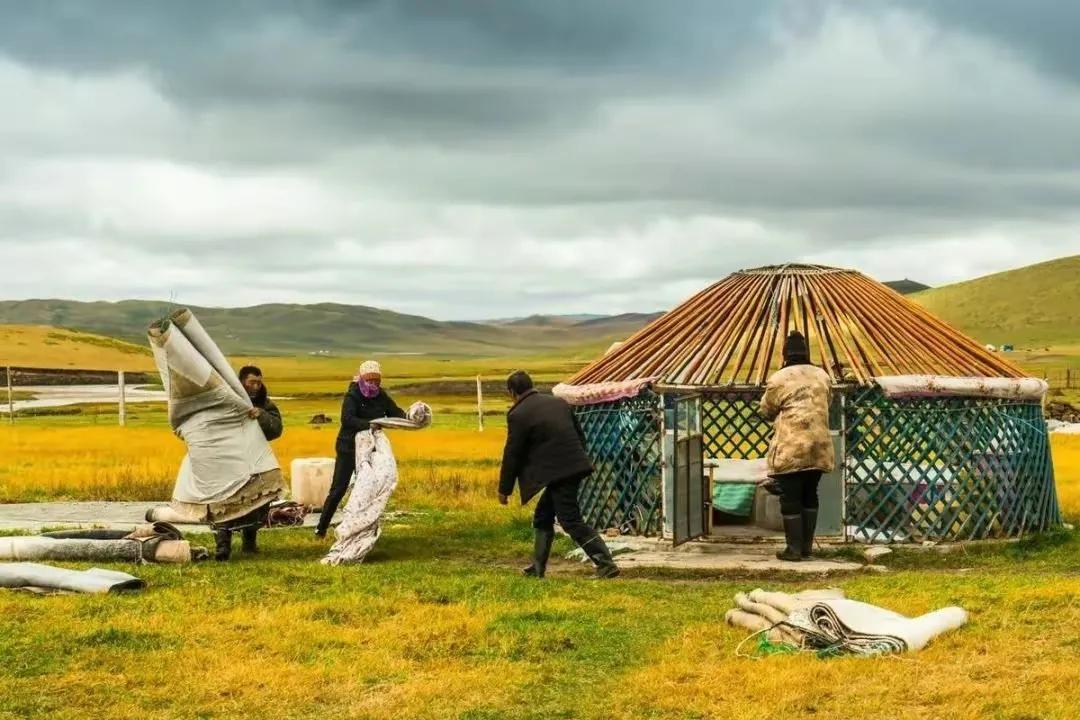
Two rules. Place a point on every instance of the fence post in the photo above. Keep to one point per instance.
(479, 403)
(123, 399)
(10, 398)
(1068, 378)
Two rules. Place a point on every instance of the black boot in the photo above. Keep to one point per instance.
(247, 535)
(598, 552)
(541, 552)
(324, 523)
(222, 545)
(809, 524)
(793, 533)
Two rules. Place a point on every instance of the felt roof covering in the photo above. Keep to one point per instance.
(731, 334)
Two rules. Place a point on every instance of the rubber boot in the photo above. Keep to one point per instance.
(247, 535)
(541, 552)
(324, 523)
(598, 552)
(809, 524)
(222, 545)
(793, 533)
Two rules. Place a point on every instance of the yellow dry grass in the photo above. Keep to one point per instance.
(990, 670)
(1067, 469)
(393, 657)
(42, 346)
(454, 466)
(140, 463)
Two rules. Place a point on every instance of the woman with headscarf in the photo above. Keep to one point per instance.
(797, 400)
(365, 400)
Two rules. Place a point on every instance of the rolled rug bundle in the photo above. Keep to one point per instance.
(229, 470)
(70, 549)
(763, 611)
(826, 620)
(757, 624)
(158, 542)
(45, 578)
(864, 629)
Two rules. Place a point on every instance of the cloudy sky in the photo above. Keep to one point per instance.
(485, 159)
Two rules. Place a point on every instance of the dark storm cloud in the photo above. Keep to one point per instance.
(1041, 30)
(419, 70)
(624, 152)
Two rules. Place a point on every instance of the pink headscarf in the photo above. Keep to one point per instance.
(367, 389)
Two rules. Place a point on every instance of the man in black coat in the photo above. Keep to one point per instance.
(365, 400)
(545, 453)
(264, 410)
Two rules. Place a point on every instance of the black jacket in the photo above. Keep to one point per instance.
(357, 412)
(544, 444)
(270, 418)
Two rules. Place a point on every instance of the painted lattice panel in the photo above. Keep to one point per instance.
(733, 428)
(623, 441)
(946, 469)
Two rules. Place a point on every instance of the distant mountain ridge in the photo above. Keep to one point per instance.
(1039, 304)
(906, 287)
(327, 328)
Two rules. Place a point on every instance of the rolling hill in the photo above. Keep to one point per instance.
(284, 329)
(1036, 307)
(906, 287)
(41, 346)
(1032, 307)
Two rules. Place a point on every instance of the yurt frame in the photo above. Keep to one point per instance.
(936, 438)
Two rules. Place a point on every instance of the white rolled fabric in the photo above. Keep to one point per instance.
(46, 577)
(208, 410)
(866, 629)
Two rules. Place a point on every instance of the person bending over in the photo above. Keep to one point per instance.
(545, 454)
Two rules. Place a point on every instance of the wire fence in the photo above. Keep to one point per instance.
(1062, 378)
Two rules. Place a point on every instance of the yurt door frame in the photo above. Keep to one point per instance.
(689, 495)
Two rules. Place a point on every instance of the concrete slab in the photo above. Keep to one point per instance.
(737, 556)
(737, 559)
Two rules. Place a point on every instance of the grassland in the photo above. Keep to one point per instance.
(1035, 307)
(438, 624)
(50, 347)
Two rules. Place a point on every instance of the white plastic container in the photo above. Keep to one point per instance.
(311, 478)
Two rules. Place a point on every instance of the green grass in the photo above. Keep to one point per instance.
(438, 624)
(1035, 307)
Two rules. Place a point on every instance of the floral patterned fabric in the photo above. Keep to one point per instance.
(373, 483)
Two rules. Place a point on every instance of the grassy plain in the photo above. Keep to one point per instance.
(50, 347)
(437, 624)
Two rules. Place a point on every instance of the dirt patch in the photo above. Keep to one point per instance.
(1063, 411)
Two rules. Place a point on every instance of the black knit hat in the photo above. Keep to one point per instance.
(796, 350)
